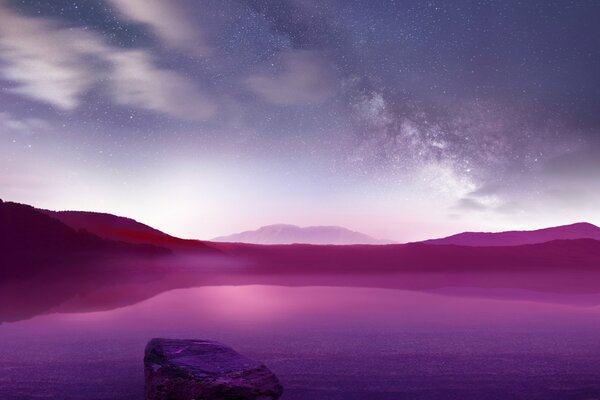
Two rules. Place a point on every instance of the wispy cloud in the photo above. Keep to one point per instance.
(46, 62)
(10, 124)
(294, 77)
(137, 82)
(167, 20)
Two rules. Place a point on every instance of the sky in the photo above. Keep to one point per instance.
(401, 119)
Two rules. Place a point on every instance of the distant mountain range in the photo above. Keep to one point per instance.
(289, 234)
(582, 230)
(34, 240)
(22, 226)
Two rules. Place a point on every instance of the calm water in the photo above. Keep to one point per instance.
(323, 343)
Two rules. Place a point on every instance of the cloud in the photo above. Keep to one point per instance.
(573, 178)
(44, 61)
(581, 165)
(304, 77)
(58, 66)
(26, 126)
(139, 83)
(470, 204)
(167, 20)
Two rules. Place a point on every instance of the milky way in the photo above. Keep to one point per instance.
(403, 119)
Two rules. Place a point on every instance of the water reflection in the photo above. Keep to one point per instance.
(324, 342)
(22, 299)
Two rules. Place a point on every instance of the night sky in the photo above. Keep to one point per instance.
(401, 119)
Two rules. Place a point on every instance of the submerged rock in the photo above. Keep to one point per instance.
(205, 370)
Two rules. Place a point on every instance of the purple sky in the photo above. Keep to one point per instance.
(400, 119)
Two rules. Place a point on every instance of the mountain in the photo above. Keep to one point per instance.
(288, 234)
(580, 230)
(31, 240)
(124, 229)
(44, 262)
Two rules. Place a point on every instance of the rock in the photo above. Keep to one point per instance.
(205, 370)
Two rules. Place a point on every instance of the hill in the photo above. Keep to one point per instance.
(580, 230)
(124, 229)
(30, 240)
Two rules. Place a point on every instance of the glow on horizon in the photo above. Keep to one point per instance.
(165, 113)
(205, 201)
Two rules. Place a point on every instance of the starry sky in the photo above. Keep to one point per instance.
(401, 119)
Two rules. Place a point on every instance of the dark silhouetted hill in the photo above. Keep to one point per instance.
(124, 229)
(580, 230)
(31, 240)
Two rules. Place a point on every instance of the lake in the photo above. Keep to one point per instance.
(325, 342)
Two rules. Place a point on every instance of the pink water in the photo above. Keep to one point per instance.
(323, 343)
